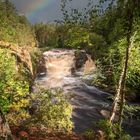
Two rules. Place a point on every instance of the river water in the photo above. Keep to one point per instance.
(89, 103)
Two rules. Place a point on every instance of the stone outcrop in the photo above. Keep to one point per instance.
(80, 59)
(41, 67)
(57, 66)
(75, 60)
(23, 54)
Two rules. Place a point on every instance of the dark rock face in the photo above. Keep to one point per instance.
(80, 59)
(59, 67)
(41, 67)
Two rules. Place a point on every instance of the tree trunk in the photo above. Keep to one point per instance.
(130, 44)
(120, 96)
(5, 132)
(119, 92)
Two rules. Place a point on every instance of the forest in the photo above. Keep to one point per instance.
(77, 78)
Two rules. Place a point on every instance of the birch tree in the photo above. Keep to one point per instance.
(129, 9)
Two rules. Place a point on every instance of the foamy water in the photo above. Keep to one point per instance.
(59, 65)
(61, 73)
(89, 103)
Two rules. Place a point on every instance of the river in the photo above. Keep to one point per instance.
(68, 71)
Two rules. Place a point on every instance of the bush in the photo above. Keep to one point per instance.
(89, 134)
(46, 35)
(13, 91)
(112, 62)
(51, 109)
(112, 132)
(15, 29)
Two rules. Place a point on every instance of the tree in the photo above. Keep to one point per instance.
(46, 34)
(129, 7)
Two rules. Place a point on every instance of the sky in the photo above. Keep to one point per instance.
(44, 10)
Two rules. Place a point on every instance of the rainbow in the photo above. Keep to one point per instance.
(37, 6)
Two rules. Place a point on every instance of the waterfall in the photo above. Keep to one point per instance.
(61, 65)
(65, 69)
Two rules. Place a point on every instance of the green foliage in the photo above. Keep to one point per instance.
(7, 71)
(133, 76)
(46, 35)
(80, 37)
(14, 28)
(111, 25)
(107, 131)
(98, 77)
(89, 134)
(13, 91)
(115, 59)
(131, 112)
(53, 111)
(112, 132)
(102, 33)
(14, 86)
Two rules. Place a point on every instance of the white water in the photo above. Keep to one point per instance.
(87, 101)
(59, 65)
